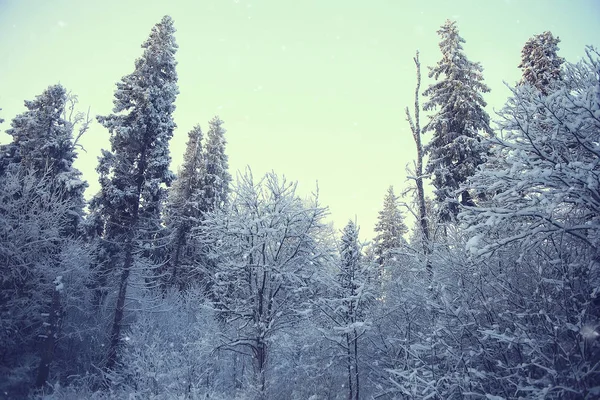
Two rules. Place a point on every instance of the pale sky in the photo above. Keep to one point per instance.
(313, 89)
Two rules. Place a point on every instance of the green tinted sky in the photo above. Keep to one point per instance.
(314, 89)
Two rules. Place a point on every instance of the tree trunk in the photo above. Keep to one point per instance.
(415, 127)
(179, 243)
(349, 365)
(356, 379)
(50, 337)
(261, 358)
(115, 336)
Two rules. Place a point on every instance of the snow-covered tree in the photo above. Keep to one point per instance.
(134, 173)
(390, 228)
(43, 142)
(170, 350)
(37, 261)
(455, 150)
(544, 220)
(540, 62)
(345, 307)
(543, 179)
(349, 278)
(186, 205)
(217, 178)
(265, 249)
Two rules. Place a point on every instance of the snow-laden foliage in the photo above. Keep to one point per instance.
(202, 186)
(264, 251)
(390, 228)
(185, 207)
(133, 175)
(186, 195)
(502, 302)
(169, 351)
(539, 226)
(543, 177)
(217, 178)
(344, 307)
(455, 150)
(540, 62)
(43, 142)
(34, 253)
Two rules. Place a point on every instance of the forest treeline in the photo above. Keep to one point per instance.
(195, 285)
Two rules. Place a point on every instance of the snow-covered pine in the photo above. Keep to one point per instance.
(185, 208)
(455, 150)
(390, 228)
(43, 142)
(34, 250)
(217, 178)
(347, 308)
(540, 62)
(135, 173)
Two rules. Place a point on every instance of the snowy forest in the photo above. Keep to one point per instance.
(205, 284)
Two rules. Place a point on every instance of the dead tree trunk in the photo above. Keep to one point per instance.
(415, 127)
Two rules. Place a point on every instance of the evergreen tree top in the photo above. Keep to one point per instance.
(390, 220)
(217, 180)
(349, 253)
(349, 236)
(540, 62)
(154, 75)
(42, 135)
(186, 196)
(455, 150)
(458, 72)
(136, 169)
(390, 227)
(193, 151)
(148, 93)
(43, 145)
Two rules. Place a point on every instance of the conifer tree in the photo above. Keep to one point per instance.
(186, 203)
(217, 179)
(455, 150)
(390, 228)
(40, 182)
(134, 174)
(43, 143)
(351, 283)
(540, 62)
(345, 304)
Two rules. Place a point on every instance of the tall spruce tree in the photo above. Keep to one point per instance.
(352, 283)
(217, 178)
(186, 203)
(390, 228)
(134, 174)
(455, 149)
(540, 62)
